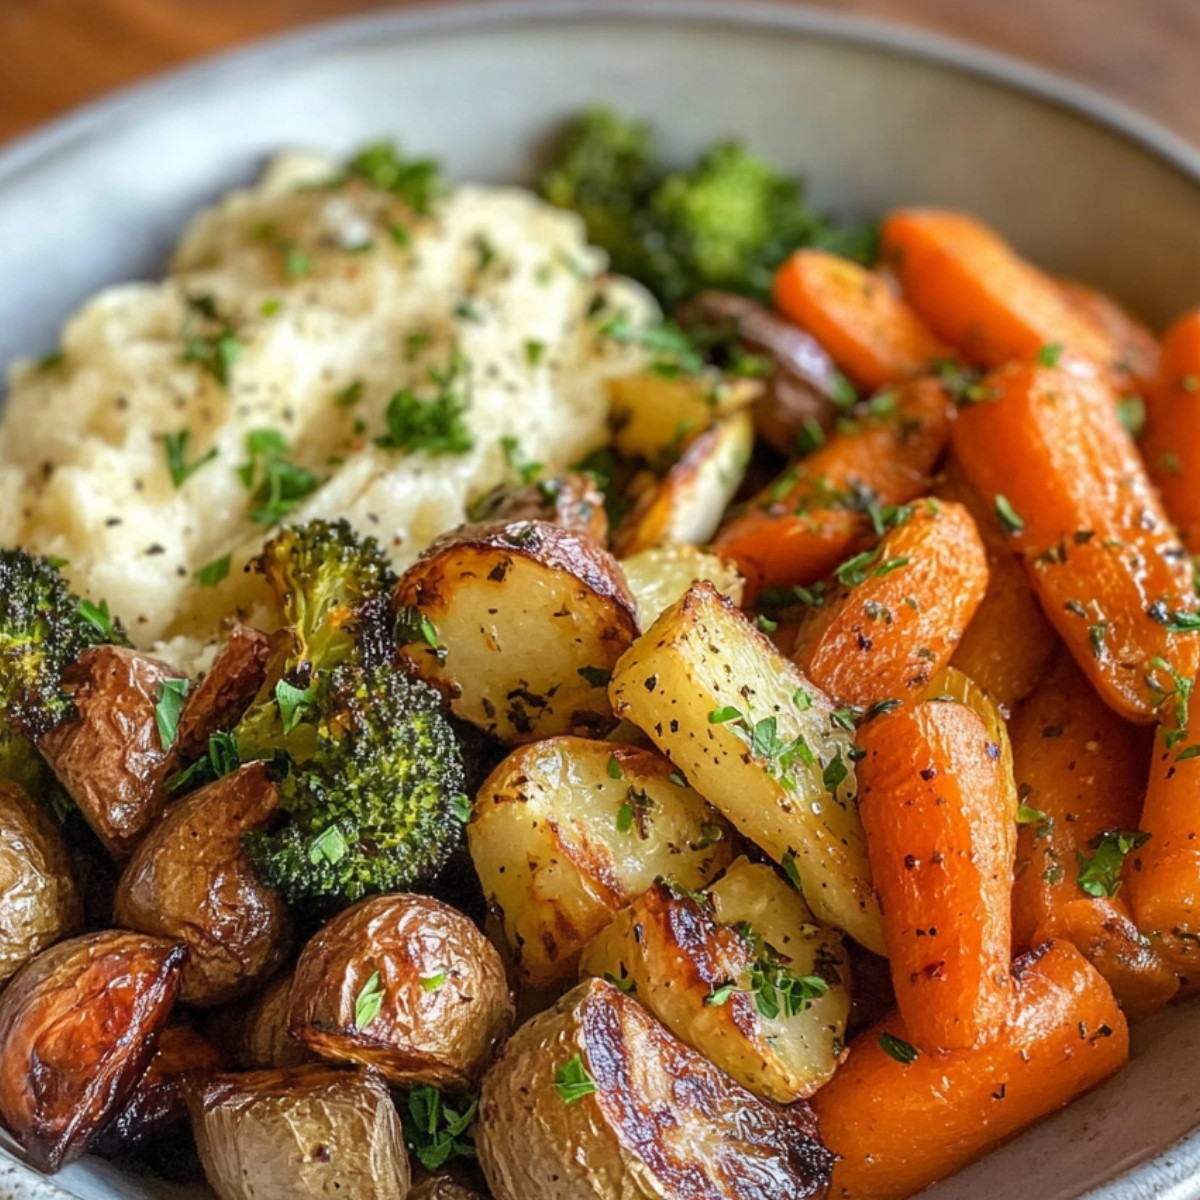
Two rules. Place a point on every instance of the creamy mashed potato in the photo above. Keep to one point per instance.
(301, 309)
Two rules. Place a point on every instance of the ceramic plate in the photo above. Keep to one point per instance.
(874, 116)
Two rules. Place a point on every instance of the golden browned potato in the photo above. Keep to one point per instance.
(528, 618)
(687, 504)
(596, 1099)
(405, 984)
(39, 903)
(78, 1027)
(567, 831)
(190, 880)
(265, 1041)
(742, 973)
(761, 743)
(156, 1102)
(109, 756)
(659, 577)
(307, 1131)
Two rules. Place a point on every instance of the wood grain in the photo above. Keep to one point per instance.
(56, 54)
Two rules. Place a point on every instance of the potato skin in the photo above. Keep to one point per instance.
(572, 501)
(308, 1131)
(110, 757)
(443, 1033)
(265, 1041)
(442, 1186)
(39, 903)
(626, 1140)
(191, 881)
(78, 1026)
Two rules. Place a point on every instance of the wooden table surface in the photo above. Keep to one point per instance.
(55, 54)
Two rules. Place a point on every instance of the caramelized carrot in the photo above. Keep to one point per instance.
(801, 527)
(899, 1125)
(1171, 440)
(868, 331)
(1008, 642)
(1136, 344)
(1049, 455)
(900, 610)
(937, 814)
(1081, 771)
(976, 293)
(1164, 879)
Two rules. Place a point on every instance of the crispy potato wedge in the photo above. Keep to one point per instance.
(529, 619)
(156, 1102)
(741, 973)
(308, 1131)
(655, 416)
(686, 507)
(404, 984)
(190, 880)
(78, 1027)
(659, 577)
(110, 757)
(596, 1099)
(566, 832)
(760, 742)
(39, 903)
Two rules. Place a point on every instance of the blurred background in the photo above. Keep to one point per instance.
(58, 53)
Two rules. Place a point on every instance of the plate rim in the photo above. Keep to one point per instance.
(1174, 1174)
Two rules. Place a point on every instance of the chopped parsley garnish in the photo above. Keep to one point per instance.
(897, 1048)
(1050, 355)
(792, 871)
(1098, 635)
(1100, 871)
(963, 384)
(1131, 412)
(861, 567)
(98, 616)
(222, 759)
(294, 703)
(209, 338)
(213, 573)
(633, 812)
(461, 807)
(535, 351)
(169, 708)
(614, 768)
(369, 1001)
(281, 485)
(673, 349)
(350, 395)
(176, 445)
(595, 676)
(412, 625)
(433, 423)
(416, 181)
(1009, 517)
(431, 983)
(49, 361)
(1028, 815)
(572, 1081)
(329, 846)
(436, 1133)
(527, 471)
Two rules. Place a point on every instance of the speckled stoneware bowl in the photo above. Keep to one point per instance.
(873, 115)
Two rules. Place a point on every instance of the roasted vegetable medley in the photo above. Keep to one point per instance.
(798, 797)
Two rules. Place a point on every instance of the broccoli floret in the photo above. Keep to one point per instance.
(43, 629)
(728, 222)
(377, 806)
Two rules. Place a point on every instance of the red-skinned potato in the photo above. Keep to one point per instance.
(39, 903)
(78, 1027)
(308, 1131)
(156, 1103)
(404, 984)
(594, 1098)
(109, 756)
(265, 1041)
(190, 880)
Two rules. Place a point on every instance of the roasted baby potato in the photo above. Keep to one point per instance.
(190, 880)
(595, 1098)
(566, 832)
(265, 1041)
(761, 743)
(655, 416)
(78, 1027)
(741, 973)
(528, 619)
(39, 903)
(109, 756)
(308, 1131)
(441, 1186)
(686, 506)
(802, 383)
(156, 1102)
(659, 577)
(404, 984)
(572, 501)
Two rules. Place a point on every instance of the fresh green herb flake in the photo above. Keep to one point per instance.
(369, 1001)
(1009, 517)
(572, 1081)
(1100, 871)
(897, 1048)
(169, 708)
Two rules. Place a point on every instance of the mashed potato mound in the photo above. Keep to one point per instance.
(293, 313)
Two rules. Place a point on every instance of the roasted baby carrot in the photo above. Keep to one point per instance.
(979, 295)
(900, 1120)
(1050, 457)
(936, 810)
(1081, 772)
(1135, 342)
(1008, 642)
(1171, 440)
(1164, 874)
(801, 527)
(867, 329)
(899, 610)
